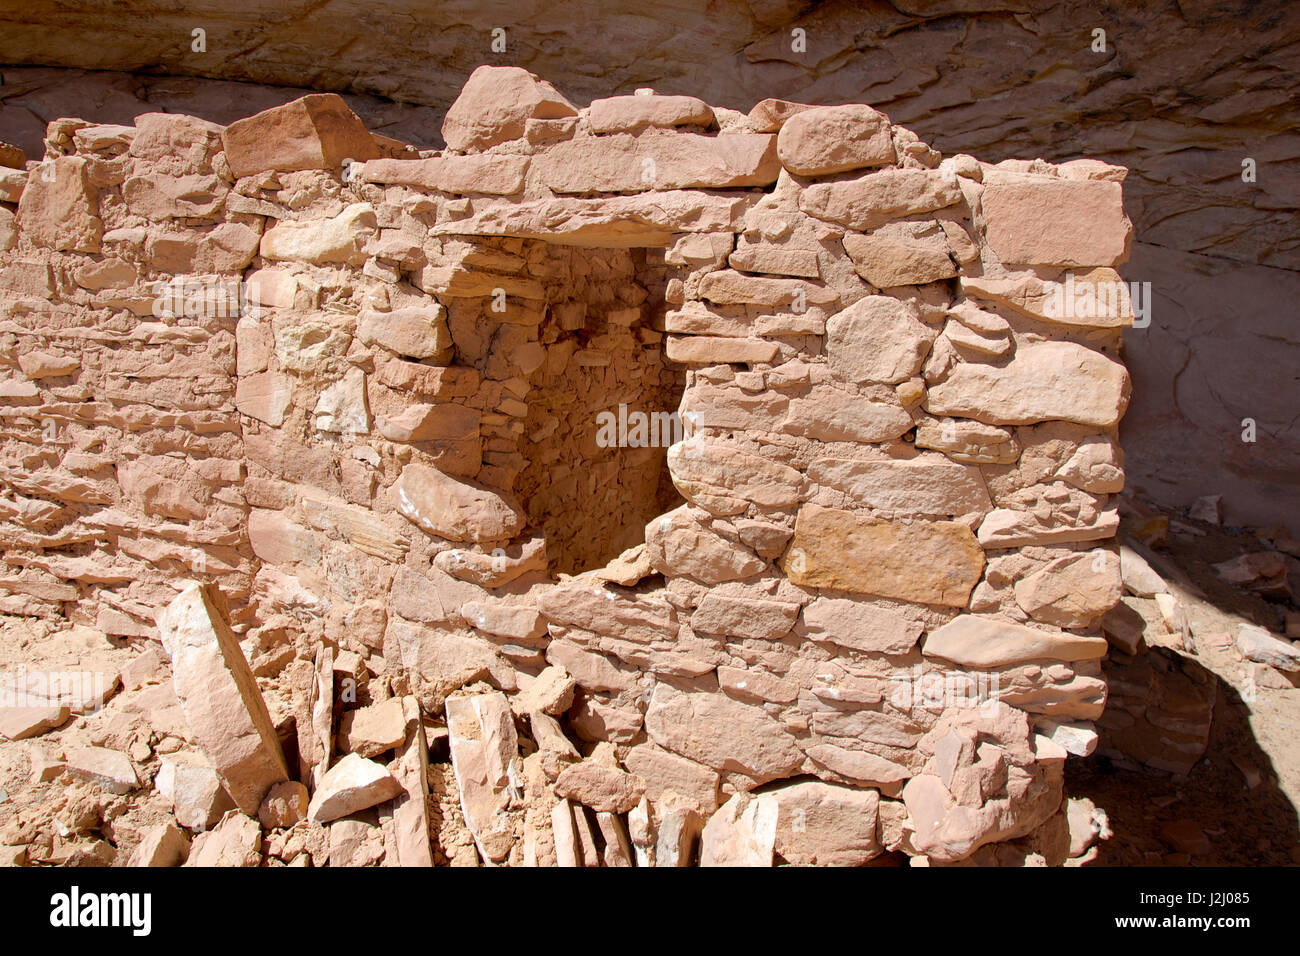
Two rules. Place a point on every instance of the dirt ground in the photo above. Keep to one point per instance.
(1244, 792)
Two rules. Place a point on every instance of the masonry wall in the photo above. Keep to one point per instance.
(877, 604)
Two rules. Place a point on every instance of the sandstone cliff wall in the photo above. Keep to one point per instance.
(359, 389)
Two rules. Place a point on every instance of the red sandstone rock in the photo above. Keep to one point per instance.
(316, 131)
(494, 105)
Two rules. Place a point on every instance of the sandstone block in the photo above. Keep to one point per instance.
(601, 786)
(741, 833)
(455, 509)
(370, 731)
(658, 160)
(61, 211)
(1072, 591)
(822, 824)
(723, 479)
(887, 260)
(828, 413)
(1042, 382)
(920, 486)
(625, 114)
(834, 139)
(722, 733)
(492, 174)
(876, 198)
(988, 642)
(933, 562)
(877, 339)
(860, 626)
(744, 617)
(678, 543)
(337, 240)
(718, 350)
(485, 755)
(417, 332)
(1057, 222)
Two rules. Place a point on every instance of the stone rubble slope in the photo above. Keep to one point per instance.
(856, 614)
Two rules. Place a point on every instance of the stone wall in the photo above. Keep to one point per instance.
(359, 388)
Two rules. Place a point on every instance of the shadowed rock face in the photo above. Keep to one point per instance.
(1183, 93)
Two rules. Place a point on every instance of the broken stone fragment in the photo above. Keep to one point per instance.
(236, 841)
(601, 786)
(369, 731)
(410, 815)
(550, 692)
(485, 756)
(198, 798)
(677, 837)
(1138, 576)
(20, 723)
(162, 845)
(351, 785)
(495, 104)
(285, 806)
(453, 508)
(317, 131)
(108, 769)
(218, 694)
(1257, 644)
(741, 833)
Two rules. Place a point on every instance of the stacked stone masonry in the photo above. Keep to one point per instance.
(852, 612)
